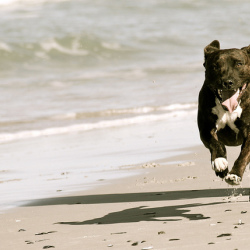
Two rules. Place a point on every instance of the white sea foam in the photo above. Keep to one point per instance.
(179, 114)
(126, 111)
(179, 106)
(112, 46)
(144, 110)
(52, 44)
(5, 47)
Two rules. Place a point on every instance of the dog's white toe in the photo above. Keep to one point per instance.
(233, 179)
(219, 164)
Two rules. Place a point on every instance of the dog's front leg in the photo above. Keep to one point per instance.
(218, 152)
(236, 174)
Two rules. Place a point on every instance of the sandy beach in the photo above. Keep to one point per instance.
(176, 203)
(99, 145)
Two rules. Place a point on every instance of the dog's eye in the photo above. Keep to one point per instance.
(239, 64)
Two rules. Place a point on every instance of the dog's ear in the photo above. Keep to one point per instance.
(246, 49)
(213, 46)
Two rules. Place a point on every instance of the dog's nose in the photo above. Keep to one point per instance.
(228, 84)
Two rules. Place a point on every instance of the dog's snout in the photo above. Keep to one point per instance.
(227, 84)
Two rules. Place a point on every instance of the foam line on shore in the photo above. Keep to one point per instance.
(6, 137)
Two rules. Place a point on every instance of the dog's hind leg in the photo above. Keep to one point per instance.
(236, 174)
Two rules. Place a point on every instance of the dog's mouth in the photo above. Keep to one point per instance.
(229, 99)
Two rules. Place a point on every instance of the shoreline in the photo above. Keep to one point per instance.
(55, 165)
(153, 210)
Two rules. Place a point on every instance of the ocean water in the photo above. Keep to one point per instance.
(82, 62)
(91, 69)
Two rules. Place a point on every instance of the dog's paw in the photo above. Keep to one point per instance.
(222, 174)
(233, 179)
(219, 164)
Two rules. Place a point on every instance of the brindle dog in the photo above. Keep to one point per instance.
(224, 108)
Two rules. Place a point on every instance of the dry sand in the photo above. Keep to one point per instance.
(175, 203)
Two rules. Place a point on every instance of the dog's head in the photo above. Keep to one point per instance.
(227, 71)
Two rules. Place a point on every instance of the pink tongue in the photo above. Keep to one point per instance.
(230, 100)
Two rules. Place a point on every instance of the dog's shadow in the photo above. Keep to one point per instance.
(144, 213)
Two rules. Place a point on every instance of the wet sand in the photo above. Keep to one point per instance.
(175, 203)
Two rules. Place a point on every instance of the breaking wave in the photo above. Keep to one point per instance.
(175, 111)
(78, 46)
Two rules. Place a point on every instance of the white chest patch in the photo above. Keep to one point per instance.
(225, 117)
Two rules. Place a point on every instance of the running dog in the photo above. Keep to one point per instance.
(224, 108)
